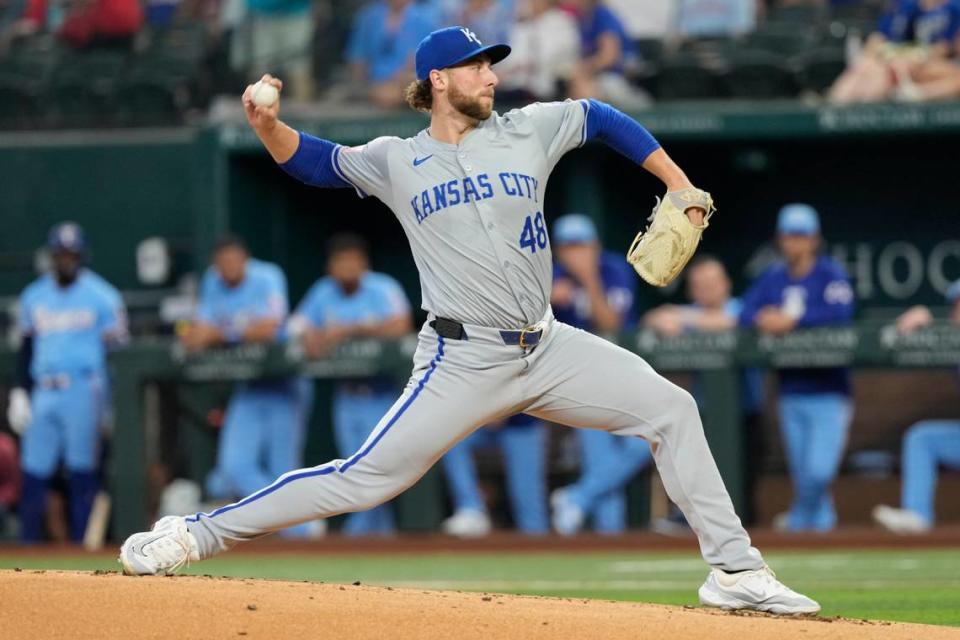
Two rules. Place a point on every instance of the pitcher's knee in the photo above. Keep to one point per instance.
(683, 408)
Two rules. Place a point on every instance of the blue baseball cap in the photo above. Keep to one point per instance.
(953, 292)
(448, 47)
(798, 220)
(574, 228)
(67, 236)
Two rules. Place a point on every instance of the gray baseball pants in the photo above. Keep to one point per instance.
(572, 378)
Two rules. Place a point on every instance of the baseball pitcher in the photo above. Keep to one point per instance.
(468, 192)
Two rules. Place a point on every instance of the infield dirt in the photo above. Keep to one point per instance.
(50, 604)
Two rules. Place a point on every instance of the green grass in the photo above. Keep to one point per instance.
(911, 585)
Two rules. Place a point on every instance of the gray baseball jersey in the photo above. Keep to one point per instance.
(473, 214)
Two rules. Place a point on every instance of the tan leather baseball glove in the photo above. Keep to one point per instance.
(660, 253)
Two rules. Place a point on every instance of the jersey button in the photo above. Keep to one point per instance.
(467, 167)
(463, 155)
(490, 226)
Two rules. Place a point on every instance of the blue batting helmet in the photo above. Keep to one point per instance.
(67, 236)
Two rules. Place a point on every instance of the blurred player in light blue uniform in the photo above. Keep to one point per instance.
(243, 300)
(67, 320)
(523, 440)
(352, 301)
(594, 290)
(926, 446)
(806, 290)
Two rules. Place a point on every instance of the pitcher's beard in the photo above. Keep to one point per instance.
(470, 107)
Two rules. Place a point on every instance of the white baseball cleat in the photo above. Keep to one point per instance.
(467, 523)
(758, 590)
(900, 520)
(163, 550)
(566, 516)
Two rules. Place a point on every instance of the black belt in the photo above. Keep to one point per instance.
(453, 330)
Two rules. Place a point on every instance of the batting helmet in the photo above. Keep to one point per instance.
(67, 236)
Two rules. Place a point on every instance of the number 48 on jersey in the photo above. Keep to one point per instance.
(534, 234)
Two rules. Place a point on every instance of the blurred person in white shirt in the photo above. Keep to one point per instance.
(546, 49)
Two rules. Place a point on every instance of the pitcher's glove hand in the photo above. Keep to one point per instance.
(661, 252)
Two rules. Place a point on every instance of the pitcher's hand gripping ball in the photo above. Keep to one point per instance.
(264, 94)
(661, 252)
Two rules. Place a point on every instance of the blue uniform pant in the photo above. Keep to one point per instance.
(927, 445)
(814, 428)
(608, 462)
(523, 442)
(263, 436)
(354, 417)
(65, 427)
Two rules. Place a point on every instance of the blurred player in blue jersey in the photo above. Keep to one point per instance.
(68, 318)
(244, 300)
(353, 302)
(594, 290)
(806, 290)
(926, 446)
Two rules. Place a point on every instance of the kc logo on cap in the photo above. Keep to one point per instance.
(449, 47)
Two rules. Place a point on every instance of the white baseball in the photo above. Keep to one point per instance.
(264, 94)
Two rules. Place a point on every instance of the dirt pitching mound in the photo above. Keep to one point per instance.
(106, 606)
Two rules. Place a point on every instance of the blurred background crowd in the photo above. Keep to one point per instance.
(69, 63)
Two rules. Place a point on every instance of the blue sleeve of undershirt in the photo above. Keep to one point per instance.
(619, 131)
(313, 163)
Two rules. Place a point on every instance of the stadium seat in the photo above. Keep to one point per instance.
(165, 79)
(83, 89)
(686, 78)
(25, 74)
(758, 75)
(820, 69)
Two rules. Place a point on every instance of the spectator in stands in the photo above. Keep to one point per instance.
(381, 47)
(912, 43)
(717, 18)
(926, 446)
(806, 290)
(244, 301)
(276, 35)
(606, 51)
(10, 480)
(67, 321)
(546, 48)
(713, 309)
(490, 20)
(523, 441)
(594, 289)
(352, 301)
(84, 23)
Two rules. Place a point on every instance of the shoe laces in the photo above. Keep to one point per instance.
(173, 550)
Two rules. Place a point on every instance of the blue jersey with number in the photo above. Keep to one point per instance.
(260, 295)
(69, 324)
(823, 297)
(619, 284)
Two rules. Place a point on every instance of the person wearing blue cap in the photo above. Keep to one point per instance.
(806, 289)
(594, 290)
(926, 445)
(468, 192)
(67, 320)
